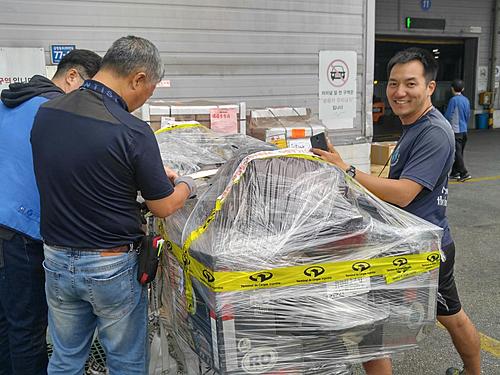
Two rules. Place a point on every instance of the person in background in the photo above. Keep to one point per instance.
(458, 114)
(23, 308)
(91, 157)
(418, 183)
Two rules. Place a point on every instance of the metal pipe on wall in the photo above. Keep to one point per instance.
(493, 60)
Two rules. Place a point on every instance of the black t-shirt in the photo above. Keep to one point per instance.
(425, 154)
(91, 157)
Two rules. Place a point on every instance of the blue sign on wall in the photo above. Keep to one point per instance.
(58, 51)
(425, 4)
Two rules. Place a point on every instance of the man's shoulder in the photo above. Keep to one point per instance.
(464, 99)
(438, 123)
(435, 131)
(53, 101)
(29, 107)
(127, 119)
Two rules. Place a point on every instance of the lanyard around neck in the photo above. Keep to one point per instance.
(105, 91)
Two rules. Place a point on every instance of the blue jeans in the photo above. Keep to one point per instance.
(86, 290)
(23, 309)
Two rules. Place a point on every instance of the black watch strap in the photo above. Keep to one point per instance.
(351, 171)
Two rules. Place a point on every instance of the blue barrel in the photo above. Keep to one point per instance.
(482, 121)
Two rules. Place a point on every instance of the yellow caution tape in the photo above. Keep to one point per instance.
(393, 269)
(179, 126)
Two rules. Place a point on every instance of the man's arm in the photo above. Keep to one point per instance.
(184, 188)
(167, 206)
(450, 109)
(399, 192)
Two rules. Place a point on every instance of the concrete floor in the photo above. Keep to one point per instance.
(474, 215)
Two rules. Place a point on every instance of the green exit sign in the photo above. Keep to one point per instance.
(425, 23)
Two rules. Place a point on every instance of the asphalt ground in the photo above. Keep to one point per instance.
(474, 216)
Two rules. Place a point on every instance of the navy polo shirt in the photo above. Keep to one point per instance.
(91, 156)
(424, 154)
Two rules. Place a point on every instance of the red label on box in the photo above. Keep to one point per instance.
(224, 120)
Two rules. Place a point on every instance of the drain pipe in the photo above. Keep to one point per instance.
(493, 61)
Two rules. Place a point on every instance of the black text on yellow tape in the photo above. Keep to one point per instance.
(391, 268)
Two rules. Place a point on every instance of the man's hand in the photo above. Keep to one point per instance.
(331, 156)
(170, 174)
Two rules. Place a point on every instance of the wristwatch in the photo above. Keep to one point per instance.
(351, 171)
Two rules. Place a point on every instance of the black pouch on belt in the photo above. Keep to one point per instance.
(149, 257)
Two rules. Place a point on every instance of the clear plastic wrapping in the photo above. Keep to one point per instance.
(190, 147)
(285, 265)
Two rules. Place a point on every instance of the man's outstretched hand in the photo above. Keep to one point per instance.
(331, 156)
(170, 174)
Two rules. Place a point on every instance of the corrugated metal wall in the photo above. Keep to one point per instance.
(263, 52)
(459, 16)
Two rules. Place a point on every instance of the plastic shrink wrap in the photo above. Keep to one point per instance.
(190, 147)
(285, 265)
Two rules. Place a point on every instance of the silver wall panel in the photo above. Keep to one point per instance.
(264, 52)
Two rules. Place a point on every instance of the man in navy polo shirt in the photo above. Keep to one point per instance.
(91, 157)
(418, 183)
(23, 308)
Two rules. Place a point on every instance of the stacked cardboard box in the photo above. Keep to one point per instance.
(285, 127)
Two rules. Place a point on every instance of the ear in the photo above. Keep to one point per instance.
(138, 80)
(431, 86)
(71, 76)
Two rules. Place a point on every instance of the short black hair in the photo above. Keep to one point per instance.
(419, 54)
(86, 62)
(458, 85)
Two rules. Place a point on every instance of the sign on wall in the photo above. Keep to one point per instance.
(337, 88)
(58, 51)
(20, 64)
(482, 78)
(425, 5)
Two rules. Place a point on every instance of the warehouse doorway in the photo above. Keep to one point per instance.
(456, 58)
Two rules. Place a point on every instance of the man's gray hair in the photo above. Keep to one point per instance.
(132, 53)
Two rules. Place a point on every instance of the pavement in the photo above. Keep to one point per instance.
(474, 216)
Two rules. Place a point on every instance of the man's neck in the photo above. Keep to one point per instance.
(60, 82)
(110, 80)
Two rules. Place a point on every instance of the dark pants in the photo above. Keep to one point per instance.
(23, 308)
(459, 165)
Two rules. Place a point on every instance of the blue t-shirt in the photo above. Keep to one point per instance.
(458, 113)
(91, 157)
(425, 154)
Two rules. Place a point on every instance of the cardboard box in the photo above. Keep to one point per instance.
(155, 109)
(381, 152)
(285, 127)
(376, 169)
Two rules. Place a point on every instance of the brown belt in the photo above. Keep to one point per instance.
(115, 250)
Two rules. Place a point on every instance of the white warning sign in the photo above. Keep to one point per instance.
(337, 88)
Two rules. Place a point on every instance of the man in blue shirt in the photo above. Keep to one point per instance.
(458, 114)
(23, 308)
(91, 157)
(418, 183)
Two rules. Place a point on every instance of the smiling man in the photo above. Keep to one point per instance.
(418, 183)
